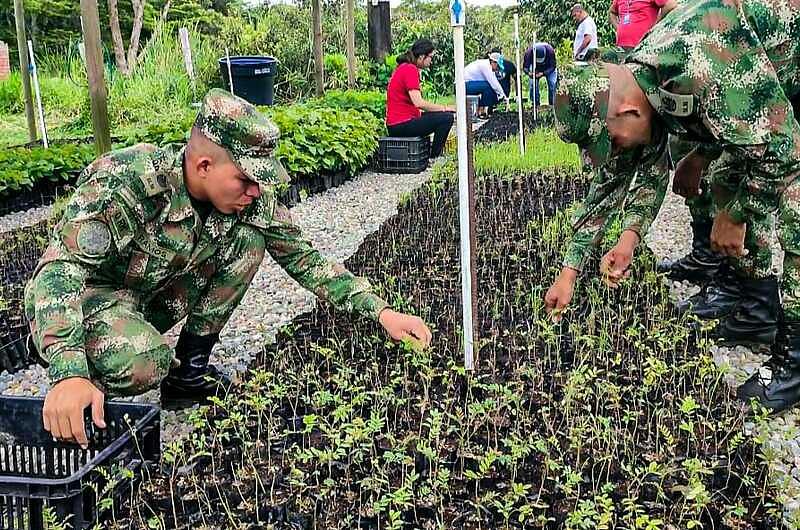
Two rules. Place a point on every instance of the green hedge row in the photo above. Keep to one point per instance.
(21, 168)
(316, 137)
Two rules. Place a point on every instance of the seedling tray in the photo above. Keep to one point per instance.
(38, 474)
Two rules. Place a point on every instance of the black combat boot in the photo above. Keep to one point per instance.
(717, 299)
(755, 319)
(701, 264)
(776, 384)
(194, 380)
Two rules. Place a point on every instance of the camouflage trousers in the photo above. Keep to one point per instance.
(125, 349)
(758, 263)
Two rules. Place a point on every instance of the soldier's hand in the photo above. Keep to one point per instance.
(559, 294)
(615, 265)
(727, 236)
(63, 409)
(400, 326)
(688, 173)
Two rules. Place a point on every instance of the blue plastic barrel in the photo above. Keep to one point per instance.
(253, 77)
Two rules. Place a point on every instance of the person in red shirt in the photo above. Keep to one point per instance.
(633, 18)
(404, 103)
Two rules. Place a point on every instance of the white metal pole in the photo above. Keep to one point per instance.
(186, 47)
(519, 85)
(230, 76)
(535, 81)
(457, 8)
(32, 66)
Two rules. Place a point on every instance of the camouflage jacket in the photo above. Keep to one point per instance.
(722, 72)
(131, 225)
(633, 185)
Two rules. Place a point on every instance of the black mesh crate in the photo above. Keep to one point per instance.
(402, 155)
(37, 472)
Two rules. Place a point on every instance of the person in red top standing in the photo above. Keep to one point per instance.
(404, 103)
(633, 18)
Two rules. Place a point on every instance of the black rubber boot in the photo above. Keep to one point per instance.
(194, 380)
(717, 299)
(701, 264)
(776, 384)
(755, 320)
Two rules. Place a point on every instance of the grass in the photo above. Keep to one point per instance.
(159, 86)
(543, 150)
(14, 129)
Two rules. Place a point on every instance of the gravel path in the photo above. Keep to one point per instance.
(336, 221)
(670, 237)
(24, 218)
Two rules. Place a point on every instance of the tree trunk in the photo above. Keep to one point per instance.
(350, 42)
(379, 28)
(319, 73)
(138, 17)
(116, 37)
(165, 11)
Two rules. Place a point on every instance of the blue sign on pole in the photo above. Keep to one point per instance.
(457, 11)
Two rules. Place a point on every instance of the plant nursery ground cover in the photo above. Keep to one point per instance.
(613, 418)
(19, 252)
(503, 125)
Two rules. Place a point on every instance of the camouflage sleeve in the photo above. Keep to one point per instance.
(325, 278)
(57, 298)
(606, 195)
(646, 194)
(759, 180)
(56, 313)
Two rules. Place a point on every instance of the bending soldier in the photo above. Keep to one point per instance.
(720, 74)
(155, 235)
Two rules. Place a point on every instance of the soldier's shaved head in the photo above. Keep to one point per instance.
(200, 146)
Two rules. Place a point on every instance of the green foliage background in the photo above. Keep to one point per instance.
(55, 25)
(554, 23)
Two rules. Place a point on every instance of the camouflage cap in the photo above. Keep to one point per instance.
(581, 107)
(248, 136)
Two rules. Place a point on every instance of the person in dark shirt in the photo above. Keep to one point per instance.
(545, 66)
(507, 76)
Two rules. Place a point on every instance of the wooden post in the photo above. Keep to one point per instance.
(319, 71)
(350, 42)
(24, 72)
(379, 28)
(96, 76)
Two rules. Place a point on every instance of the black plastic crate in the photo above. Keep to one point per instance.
(37, 472)
(14, 353)
(402, 155)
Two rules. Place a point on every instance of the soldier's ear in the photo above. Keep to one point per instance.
(203, 165)
(628, 110)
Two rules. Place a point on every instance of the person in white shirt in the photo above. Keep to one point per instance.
(481, 80)
(585, 46)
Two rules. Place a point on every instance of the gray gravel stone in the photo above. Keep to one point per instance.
(25, 218)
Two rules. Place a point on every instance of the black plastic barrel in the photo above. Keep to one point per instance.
(253, 77)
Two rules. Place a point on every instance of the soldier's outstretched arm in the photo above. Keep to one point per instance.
(640, 207)
(591, 219)
(55, 300)
(331, 281)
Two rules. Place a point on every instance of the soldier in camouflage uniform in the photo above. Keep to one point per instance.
(622, 184)
(155, 235)
(720, 73)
